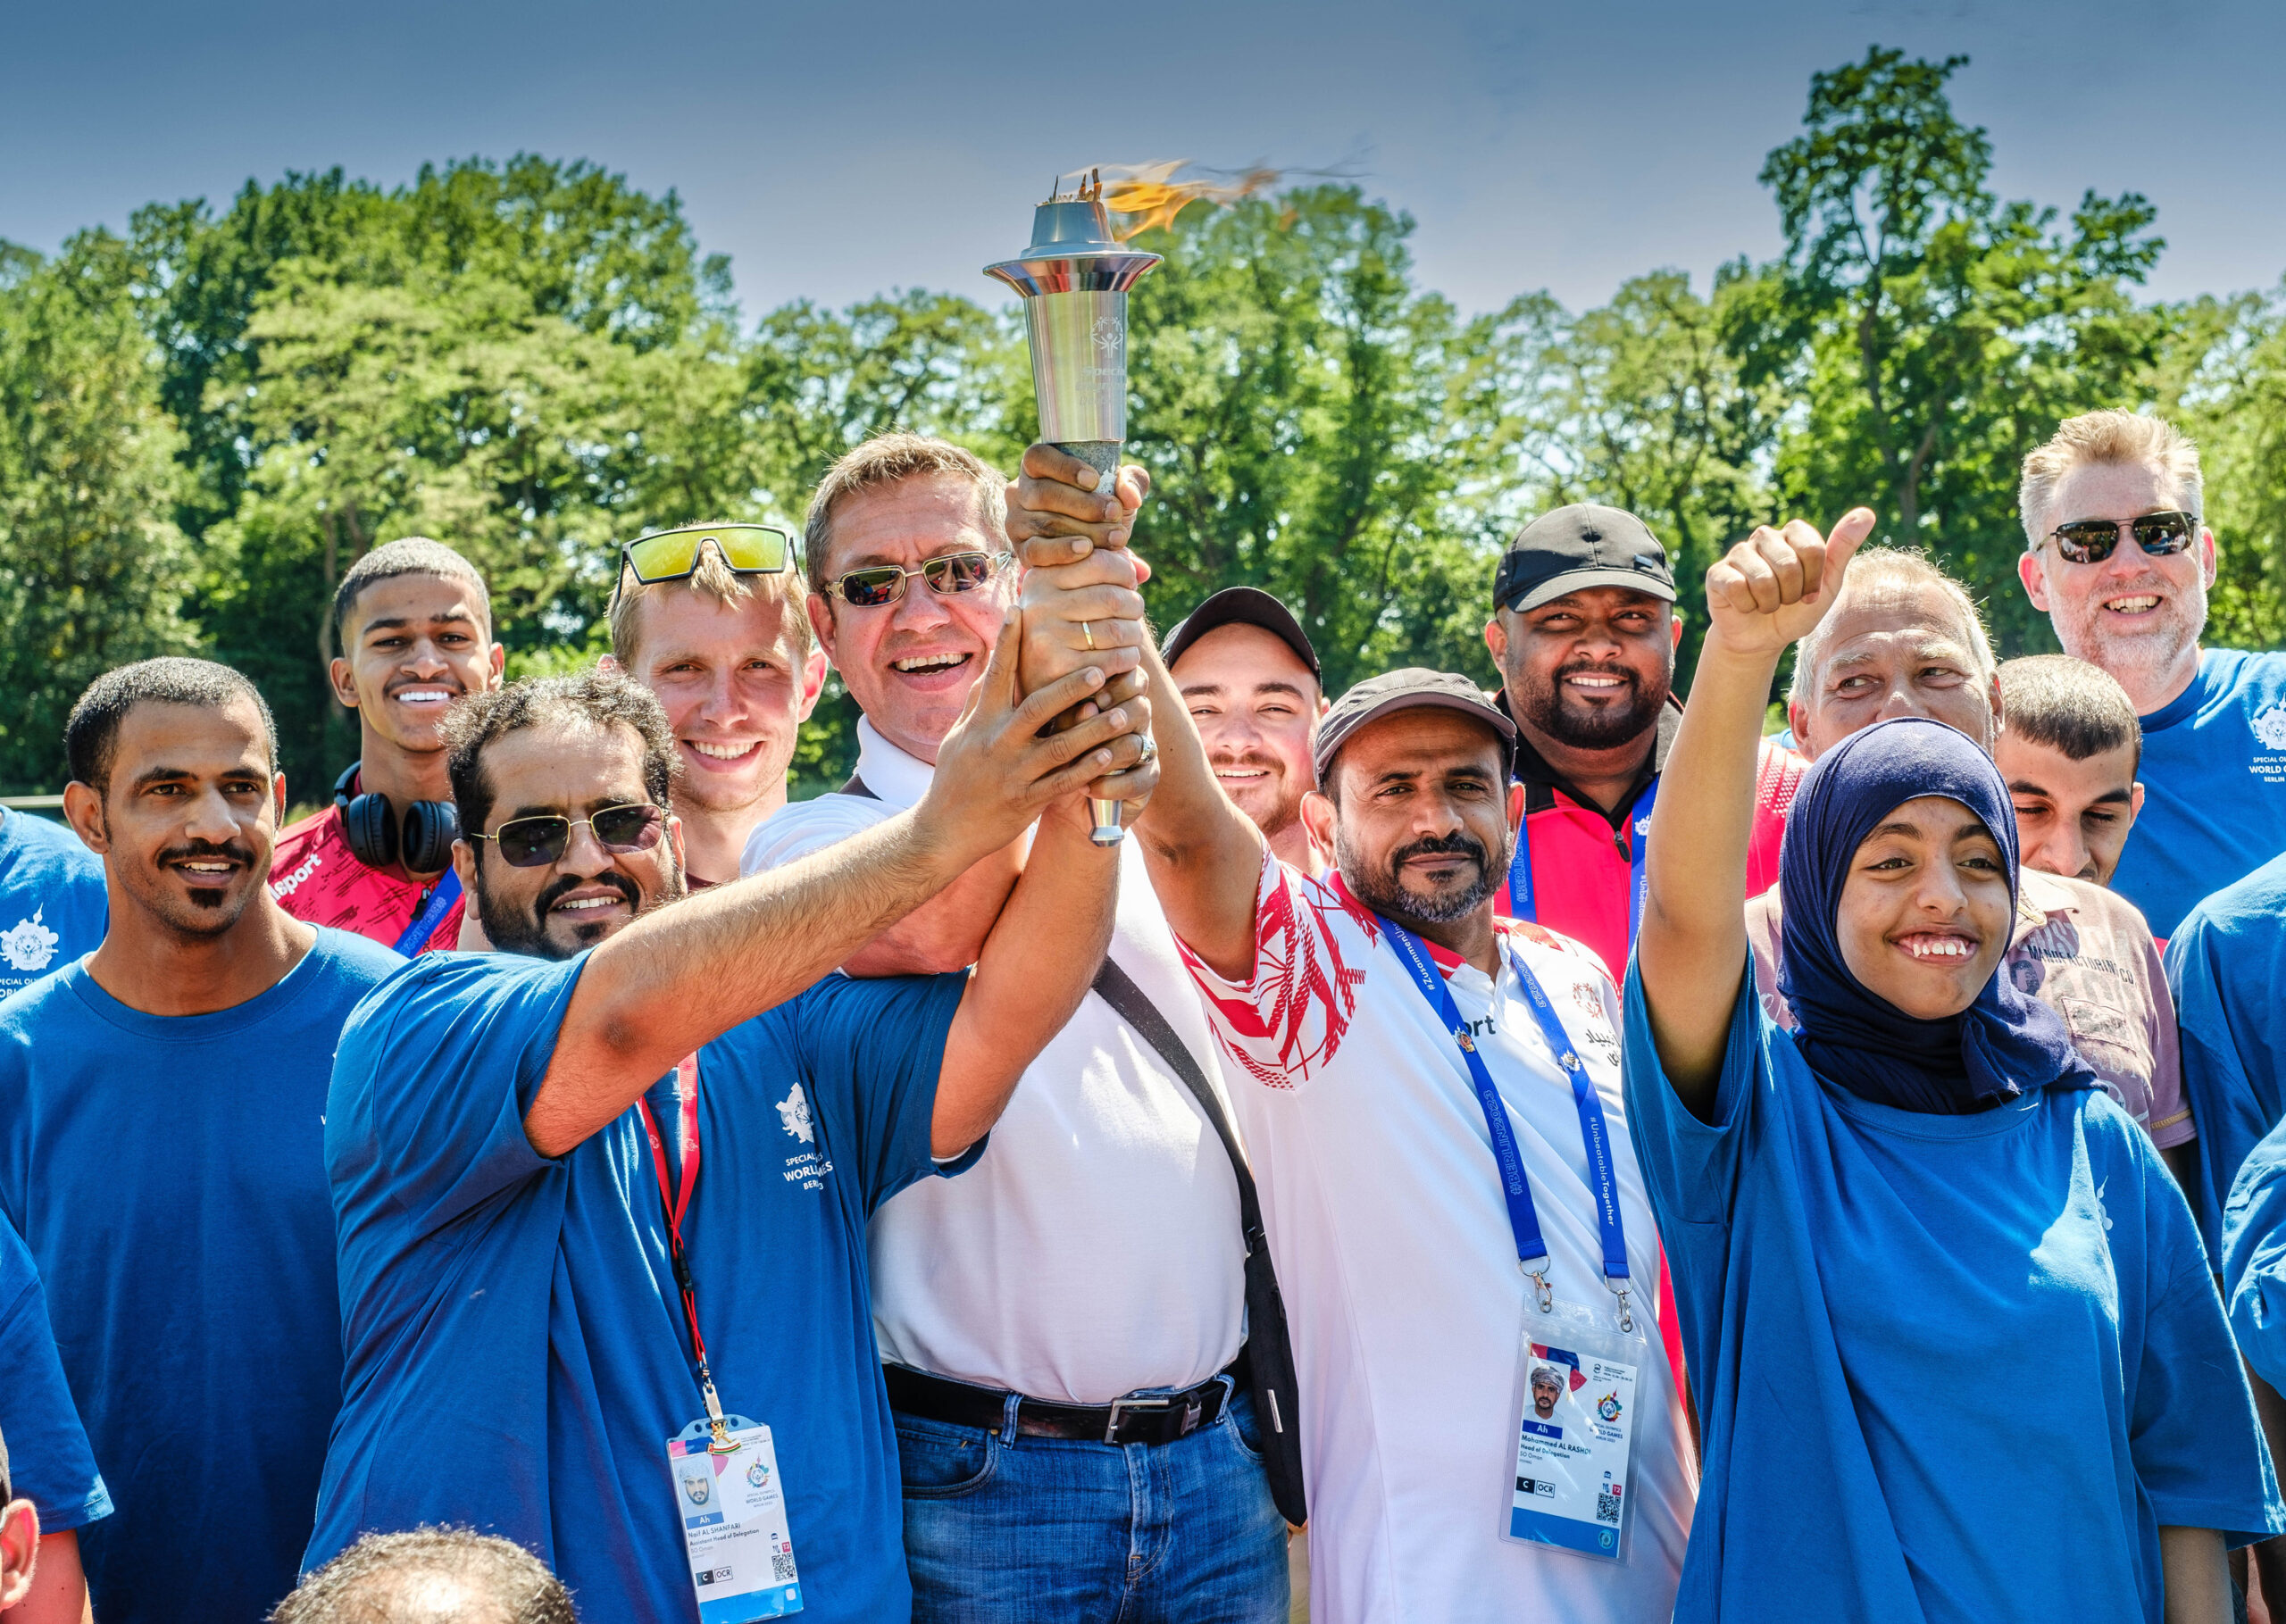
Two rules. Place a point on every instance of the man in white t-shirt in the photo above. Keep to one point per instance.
(1059, 1332)
(1415, 1329)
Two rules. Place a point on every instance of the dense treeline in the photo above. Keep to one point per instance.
(205, 421)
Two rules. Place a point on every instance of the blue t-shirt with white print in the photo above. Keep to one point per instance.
(52, 906)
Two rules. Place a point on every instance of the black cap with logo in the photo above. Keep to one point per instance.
(1581, 545)
(1404, 690)
(1242, 606)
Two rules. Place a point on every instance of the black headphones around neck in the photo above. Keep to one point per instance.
(371, 826)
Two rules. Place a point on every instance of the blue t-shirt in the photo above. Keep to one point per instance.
(517, 1360)
(168, 1173)
(49, 1463)
(2224, 965)
(52, 901)
(2254, 1258)
(2214, 778)
(1937, 1378)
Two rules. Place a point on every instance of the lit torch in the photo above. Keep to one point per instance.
(1074, 278)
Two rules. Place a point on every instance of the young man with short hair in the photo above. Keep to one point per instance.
(55, 1473)
(1584, 631)
(639, 1090)
(729, 654)
(1387, 1031)
(1905, 639)
(51, 907)
(413, 622)
(1250, 678)
(162, 1123)
(1084, 1445)
(2119, 555)
(2069, 752)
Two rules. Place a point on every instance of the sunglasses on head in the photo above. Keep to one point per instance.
(673, 555)
(882, 585)
(2091, 541)
(537, 842)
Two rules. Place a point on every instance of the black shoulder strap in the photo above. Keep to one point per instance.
(856, 787)
(1135, 1007)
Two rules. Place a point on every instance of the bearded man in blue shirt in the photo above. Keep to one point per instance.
(162, 1122)
(539, 1288)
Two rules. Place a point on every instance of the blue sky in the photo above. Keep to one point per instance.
(838, 150)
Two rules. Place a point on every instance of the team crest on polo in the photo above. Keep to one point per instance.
(2270, 724)
(794, 1111)
(699, 1487)
(30, 946)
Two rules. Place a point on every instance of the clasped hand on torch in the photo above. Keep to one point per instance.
(1080, 593)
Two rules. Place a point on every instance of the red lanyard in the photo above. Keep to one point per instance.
(675, 1202)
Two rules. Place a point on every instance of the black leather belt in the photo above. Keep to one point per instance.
(1160, 1418)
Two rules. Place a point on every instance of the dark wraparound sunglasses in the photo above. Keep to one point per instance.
(2091, 541)
(884, 584)
(536, 842)
(673, 555)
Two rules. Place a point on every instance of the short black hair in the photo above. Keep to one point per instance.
(598, 698)
(408, 556)
(91, 735)
(2069, 705)
(429, 1576)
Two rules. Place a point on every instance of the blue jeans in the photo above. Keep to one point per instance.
(1005, 1530)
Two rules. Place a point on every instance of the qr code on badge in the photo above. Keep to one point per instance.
(781, 1565)
(1607, 1509)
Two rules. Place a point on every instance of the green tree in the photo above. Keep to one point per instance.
(1934, 333)
(93, 571)
(2223, 380)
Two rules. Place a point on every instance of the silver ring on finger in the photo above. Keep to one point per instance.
(1150, 752)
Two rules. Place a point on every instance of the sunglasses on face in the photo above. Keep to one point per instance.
(884, 584)
(673, 555)
(2091, 541)
(537, 842)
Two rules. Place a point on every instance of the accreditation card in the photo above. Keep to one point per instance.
(733, 1513)
(1574, 1435)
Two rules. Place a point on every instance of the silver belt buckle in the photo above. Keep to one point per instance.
(1111, 1432)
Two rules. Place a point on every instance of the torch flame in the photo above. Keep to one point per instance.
(1146, 196)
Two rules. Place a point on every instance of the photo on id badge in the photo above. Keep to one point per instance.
(1575, 1437)
(733, 1513)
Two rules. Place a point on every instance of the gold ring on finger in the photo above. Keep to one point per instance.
(1088, 630)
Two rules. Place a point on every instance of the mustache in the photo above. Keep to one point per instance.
(557, 890)
(228, 851)
(1456, 844)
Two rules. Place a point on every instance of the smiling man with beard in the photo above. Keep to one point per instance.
(1584, 629)
(414, 626)
(161, 1124)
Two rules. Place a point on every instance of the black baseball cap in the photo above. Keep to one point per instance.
(1581, 545)
(1404, 690)
(1242, 606)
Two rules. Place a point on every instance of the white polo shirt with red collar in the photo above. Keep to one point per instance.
(1384, 1210)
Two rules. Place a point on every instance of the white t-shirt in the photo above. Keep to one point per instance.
(1094, 1249)
(1393, 1251)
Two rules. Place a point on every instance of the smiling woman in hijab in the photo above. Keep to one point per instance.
(1923, 1177)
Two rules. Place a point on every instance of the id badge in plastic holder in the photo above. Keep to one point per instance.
(732, 1508)
(1579, 1387)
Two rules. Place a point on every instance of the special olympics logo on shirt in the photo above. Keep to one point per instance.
(30, 946)
(794, 1111)
(2270, 724)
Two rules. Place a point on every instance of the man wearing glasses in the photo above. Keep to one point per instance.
(1059, 1325)
(2118, 556)
(710, 619)
(606, 1186)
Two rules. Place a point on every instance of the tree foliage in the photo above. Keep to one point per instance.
(203, 423)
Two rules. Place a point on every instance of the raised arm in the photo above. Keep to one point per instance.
(1691, 949)
(676, 979)
(1204, 854)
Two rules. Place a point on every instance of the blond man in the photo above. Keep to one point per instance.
(2119, 554)
(731, 656)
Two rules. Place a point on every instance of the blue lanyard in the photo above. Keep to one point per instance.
(426, 917)
(1522, 903)
(1595, 1132)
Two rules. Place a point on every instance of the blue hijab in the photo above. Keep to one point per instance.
(2002, 1045)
